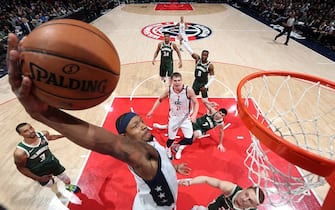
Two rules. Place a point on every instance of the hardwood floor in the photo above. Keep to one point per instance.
(238, 46)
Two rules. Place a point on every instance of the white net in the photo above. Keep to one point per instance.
(299, 111)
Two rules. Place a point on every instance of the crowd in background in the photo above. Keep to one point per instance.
(315, 19)
(22, 16)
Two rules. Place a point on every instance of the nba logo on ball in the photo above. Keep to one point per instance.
(72, 64)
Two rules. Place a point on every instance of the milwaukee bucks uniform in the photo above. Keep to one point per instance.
(201, 77)
(40, 160)
(166, 66)
(226, 202)
(205, 123)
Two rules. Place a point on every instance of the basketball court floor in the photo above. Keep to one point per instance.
(238, 46)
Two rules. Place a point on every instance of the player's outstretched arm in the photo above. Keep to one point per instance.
(157, 103)
(225, 186)
(78, 131)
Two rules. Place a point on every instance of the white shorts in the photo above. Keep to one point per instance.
(185, 126)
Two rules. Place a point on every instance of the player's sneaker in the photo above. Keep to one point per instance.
(179, 150)
(73, 188)
(169, 153)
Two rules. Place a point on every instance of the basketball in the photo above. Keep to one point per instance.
(72, 64)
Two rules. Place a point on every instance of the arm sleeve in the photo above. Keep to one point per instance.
(211, 79)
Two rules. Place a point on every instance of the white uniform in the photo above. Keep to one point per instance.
(179, 115)
(182, 32)
(161, 192)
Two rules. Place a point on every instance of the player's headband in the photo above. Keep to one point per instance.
(124, 121)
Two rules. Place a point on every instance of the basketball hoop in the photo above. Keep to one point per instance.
(293, 115)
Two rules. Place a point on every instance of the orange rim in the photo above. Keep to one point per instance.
(289, 151)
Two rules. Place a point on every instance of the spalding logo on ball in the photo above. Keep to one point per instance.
(72, 64)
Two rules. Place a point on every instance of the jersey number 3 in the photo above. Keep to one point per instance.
(42, 157)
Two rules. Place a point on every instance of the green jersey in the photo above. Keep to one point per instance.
(166, 66)
(226, 202)
(201, 71)
(38, 156)
(205, 123)
(166, 52)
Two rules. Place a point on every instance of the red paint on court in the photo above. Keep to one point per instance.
(173, 6)
(106, 183)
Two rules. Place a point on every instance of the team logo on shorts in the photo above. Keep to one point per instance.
(194, 31)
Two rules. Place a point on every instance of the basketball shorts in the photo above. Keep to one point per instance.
(176, 122)
(196, 87)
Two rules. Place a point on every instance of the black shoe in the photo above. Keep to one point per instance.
(285, 43)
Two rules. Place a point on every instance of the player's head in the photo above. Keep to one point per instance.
(166, 36)
(250, 197)
(176, 80)
(25, 130)
(181, 18)
(204, 55)
(132, 125)
(223, 111)
(220, 114)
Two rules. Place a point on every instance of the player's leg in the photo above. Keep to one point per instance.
(196, 88)
(188, 48)
(59, 171)
(199, 134)
(280, 34)
(162, 72)
(160, 126)
(184, 40)
(180, 37)
(53, 186)
(172, 132)
(288, 36)
(187, 130)
(204, 95)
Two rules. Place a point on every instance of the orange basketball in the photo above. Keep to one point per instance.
(72, 64)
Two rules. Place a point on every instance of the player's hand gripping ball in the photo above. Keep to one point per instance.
(72, 64)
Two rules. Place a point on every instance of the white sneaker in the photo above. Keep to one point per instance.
(169, 153)
(180, 149)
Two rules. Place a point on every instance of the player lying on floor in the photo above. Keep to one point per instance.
(213, 118)
(232, 197)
